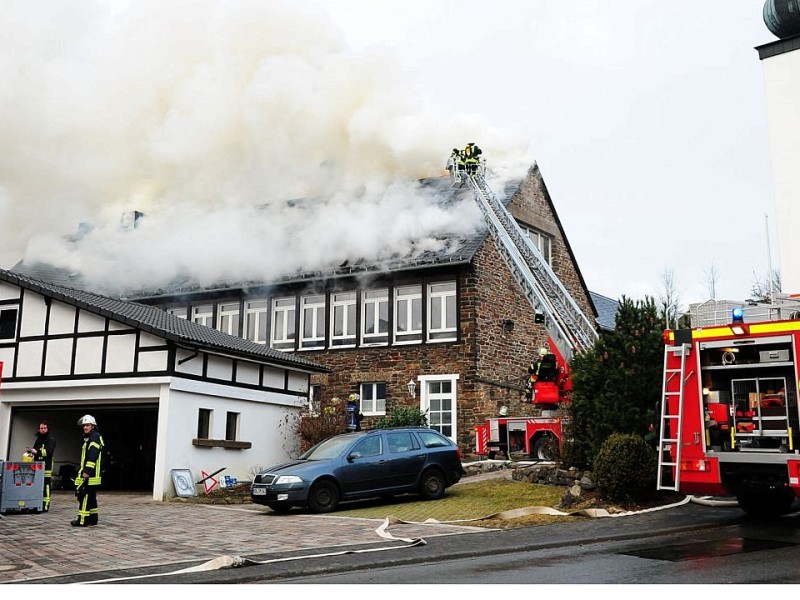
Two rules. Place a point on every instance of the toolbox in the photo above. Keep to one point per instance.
(21, 486)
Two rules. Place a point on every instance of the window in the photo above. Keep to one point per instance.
(231, 426)
(315, 400)
(283, 327)
(439, 401)
(370, 446)
(228, 318)
(203, 315)
(343, 319)
(178, 312)
(204, 423)
(373, 398)
(375, 317)
(442, 311)
(255, 321)
(8, 323)
(401, 442)
(312, 321)
(408, 314)
(542, 242)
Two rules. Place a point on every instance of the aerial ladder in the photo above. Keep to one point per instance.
(569, 329)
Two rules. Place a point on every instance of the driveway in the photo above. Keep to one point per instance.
(136, 532)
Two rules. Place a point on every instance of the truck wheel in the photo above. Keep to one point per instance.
(545, 448)
(766, 505)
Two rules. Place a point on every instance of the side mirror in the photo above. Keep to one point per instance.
(352, 456)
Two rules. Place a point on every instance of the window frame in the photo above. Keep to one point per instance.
(203, 314)
(232, 421)
(542, 241)
(310, 304)
(373, 303)
(411, 302)
(288, 316)
(259, 315)
(373, 397)
(347, 302)
(204, 423)
(225, 311)
(427, 394)
(13, 329)
(449, 303)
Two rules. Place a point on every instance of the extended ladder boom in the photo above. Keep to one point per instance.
(568, 326)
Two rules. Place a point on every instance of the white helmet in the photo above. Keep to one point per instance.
(543, 351)
(87, 420)
(354, 398)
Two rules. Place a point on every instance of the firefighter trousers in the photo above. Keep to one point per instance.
(87, 505)
(47, 486)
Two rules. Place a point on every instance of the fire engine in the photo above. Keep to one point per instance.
(568, 328)
(729, 422)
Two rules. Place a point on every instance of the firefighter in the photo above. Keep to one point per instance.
(44, 447)
(354, 415)
(457, 160)
(472, 157)
(533, 374)
(89, 474)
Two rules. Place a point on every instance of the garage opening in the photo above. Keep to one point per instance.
(129, 434)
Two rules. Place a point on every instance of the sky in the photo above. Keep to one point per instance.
(647, 121)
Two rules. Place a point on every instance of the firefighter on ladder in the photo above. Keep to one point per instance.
(533, 374)
(472, 157)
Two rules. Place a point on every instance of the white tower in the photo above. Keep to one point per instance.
(781, 61)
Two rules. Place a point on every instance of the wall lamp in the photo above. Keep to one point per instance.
(411, 386)
(538, 317)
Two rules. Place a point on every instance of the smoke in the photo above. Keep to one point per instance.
(212, 117)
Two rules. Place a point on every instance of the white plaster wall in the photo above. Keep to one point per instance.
(34, 313)
(59, 356)
(153, 361)
(30, 359)
(259, 423)
(62, 318)
(220, 368)
(120, 353)
(89, 355)
(88, 322)
(782, 86)
(8, 291)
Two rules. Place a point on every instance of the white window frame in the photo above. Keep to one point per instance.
(15, 332)
(542, 241)
(374, 304)
(372, 403)
(440, 418)
(442, 307)
(343, 319)
(315, 400)
(228, 318)
(179, 311)
(312, 313)
(255, 314)
(203, 314)
(409, 329)
(282, 332)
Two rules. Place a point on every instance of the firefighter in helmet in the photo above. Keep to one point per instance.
(533, 373)
(472, 157)
(354, 415)
(89, 473)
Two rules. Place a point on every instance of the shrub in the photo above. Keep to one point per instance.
(313, 429)
(625, 469)
(402, 416)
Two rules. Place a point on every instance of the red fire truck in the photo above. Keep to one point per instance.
(538, 438)
(729, 414)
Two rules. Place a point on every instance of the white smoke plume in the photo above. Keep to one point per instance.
(208, 116)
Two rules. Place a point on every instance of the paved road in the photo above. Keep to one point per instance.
(142, 541)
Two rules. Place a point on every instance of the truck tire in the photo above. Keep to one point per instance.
(545, 448)
(766, 505)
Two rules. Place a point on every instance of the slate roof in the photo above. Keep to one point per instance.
(606, 310)
(160, 323)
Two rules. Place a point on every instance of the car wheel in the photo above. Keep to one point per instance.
(280, 507)
(323, 497)
(432, 484)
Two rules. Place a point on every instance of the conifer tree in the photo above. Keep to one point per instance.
(617, 383)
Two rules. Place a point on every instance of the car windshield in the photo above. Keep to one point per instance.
(330, 448)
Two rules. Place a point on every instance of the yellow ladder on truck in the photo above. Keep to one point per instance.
(670, 430)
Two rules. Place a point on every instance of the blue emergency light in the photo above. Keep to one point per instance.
(737, 315)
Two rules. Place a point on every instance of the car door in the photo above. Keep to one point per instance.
(365, 469)
(405, 457)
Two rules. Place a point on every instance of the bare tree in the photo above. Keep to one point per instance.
(669, 297)
(765, 286)
(712, 277)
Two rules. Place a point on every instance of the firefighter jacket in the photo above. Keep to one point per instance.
(45, 446)
(91, 457)
(472, 152)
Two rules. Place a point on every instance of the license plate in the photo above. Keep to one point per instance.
(259, 491)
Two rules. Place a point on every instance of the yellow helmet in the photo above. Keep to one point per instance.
(354, 397)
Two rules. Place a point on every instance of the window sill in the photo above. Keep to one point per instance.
(229, 444)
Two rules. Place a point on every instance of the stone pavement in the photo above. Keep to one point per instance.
(138, 532)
